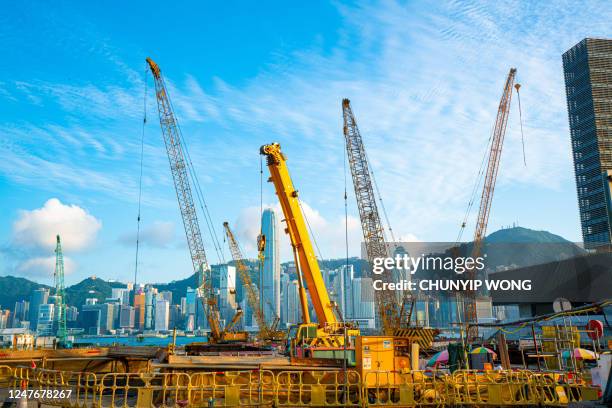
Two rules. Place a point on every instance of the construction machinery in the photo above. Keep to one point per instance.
(329, 337)
(390, 311)
(60, 294)
(266, 332)
(494, 156)
(179, 169)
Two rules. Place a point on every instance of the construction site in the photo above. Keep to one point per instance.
(325, 360)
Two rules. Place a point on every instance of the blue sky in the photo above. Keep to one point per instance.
(424, 80)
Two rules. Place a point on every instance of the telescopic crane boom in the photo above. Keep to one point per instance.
(178, 166)
(298, 233)
(329, 332)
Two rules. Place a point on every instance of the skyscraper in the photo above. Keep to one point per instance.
(126, 317)
(270, 285)
(162, 315)
(292, 312)
(39, 297)
(139, 310)
(588, 85)
(46, 313)
(224, 283)
(21, 314)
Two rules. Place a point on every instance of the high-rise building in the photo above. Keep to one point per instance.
(224, 283)
(72, 313)
(121, 294)
(342, 289)
(139, 310)
(127, 317)
(166, 295)
(21, 313)
(362, 308)
(105, 317)
(89, 320)
(270, 285)
(291, 310)
(39, 297)
(588, 85)
(162, 315)
(46, 314)
(190, 309)
(5, 318)
(150, 295)
(175, 321)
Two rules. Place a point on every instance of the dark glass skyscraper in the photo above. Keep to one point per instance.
(588, 86)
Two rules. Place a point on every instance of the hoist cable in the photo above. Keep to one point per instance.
(144, 122)
(518, 97)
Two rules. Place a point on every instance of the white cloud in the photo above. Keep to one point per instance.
(37, 229)
(43, 267)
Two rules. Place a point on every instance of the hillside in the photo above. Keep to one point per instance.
(90, 288)
(520, 247)
(13, 289)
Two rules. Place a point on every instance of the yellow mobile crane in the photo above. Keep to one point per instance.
(329, 337)
(266, 332)
(178, 166)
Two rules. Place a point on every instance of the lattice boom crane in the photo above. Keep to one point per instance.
(178, 167)
(373, 231)
(497, 142)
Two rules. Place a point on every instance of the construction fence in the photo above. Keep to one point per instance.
(264, 388)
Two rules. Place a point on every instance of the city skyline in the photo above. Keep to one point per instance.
(71, 147)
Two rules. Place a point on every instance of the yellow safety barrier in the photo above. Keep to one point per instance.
(402, 389)
(313, 388)
(6, 375)
(143, 390)
(60, 388)
(299, 388)
(508, 388)
(233, 388)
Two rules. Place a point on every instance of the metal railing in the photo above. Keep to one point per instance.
(299, 388)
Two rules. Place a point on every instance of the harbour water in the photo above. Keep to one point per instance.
(136, 341)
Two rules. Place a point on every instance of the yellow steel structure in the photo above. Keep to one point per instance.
(298, 233)
(299, 388)
(329, 333)
(265, 331)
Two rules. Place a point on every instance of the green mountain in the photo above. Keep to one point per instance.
(91, 287)
(13, 289)
(521, 247)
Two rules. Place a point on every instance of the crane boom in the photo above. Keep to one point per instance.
(298, 233)
(497, 141)
(371, 224)
(252, 294)
(178, 167)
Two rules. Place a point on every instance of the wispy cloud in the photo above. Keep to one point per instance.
(424, 80)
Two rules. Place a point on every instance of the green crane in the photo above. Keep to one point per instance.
(60, 294)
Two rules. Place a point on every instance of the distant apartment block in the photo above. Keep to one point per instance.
(588, 84)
